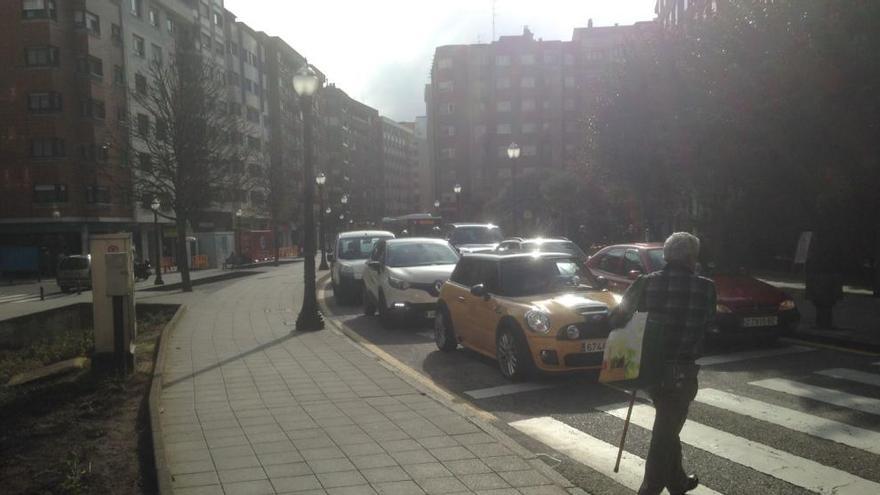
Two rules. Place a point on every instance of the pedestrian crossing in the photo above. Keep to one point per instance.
(25, 298)
(758, 400)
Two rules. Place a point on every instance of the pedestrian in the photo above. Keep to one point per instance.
(680, 307)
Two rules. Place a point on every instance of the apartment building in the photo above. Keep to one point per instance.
(399, 181)
(518, 89)
(680, 14)
(425, 181)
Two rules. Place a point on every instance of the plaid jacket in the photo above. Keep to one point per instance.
(680, 305)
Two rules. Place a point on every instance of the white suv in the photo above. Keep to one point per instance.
(404, 276)
(349, 259)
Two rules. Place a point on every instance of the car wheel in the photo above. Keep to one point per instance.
(369, 306)
(512, 354)
(444, 334)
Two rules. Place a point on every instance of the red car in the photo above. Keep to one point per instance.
(746, 305)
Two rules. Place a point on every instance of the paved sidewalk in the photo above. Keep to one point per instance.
(249, 407)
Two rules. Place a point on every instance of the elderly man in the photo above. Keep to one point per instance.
(680, 307)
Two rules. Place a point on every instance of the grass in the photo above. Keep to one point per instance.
(66, 344)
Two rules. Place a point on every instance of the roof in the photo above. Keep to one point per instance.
(364, 233)
(414, 240)
(516, 256)
(637, 245)
(489, 225)
(536, 240)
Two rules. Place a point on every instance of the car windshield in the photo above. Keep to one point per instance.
(74, 264)
(476, 235)
(530, 277)
(420, 254)
(356, 248)
(655, 257)
(553, 247)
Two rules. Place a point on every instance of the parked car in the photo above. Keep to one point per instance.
(541, 245)
(746, 306)
(474, 237)
(75, 272)
(349, 259)
(403, 277)
(536, 311)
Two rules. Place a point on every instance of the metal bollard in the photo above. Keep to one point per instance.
(42, 296)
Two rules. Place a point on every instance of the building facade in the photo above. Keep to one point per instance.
(680, 14)
(532, 92)
(399, 182)
(425, 181)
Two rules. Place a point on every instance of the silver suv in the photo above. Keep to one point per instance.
(348, 261)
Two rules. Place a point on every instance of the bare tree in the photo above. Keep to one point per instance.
(189, 146)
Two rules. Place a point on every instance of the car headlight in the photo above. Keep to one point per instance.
(786, 305)
(398, 283)
(720, 308)
(538, 321)
(572, 332)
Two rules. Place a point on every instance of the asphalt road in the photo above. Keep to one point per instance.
(781, 419)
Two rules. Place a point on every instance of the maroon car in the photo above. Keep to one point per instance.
(746, 305)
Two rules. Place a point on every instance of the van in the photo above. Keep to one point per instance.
(75, 272)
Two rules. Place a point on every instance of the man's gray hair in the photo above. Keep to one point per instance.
(682, 247)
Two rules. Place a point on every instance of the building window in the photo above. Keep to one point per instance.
(502, 60)
(140, 84)
(41, 56)
(136, 7)
(116, 33)
(118, 75)
(97, 195)
(444, 63)
(502, 83)
(169, 24)
(232, 48)
(444, 86)
(529, 150)
(549, 58)
(143, 124)
(156, 50)
(218, 19)
(528, 105)
(529, 128)
(219, 48)
(447, 109)
(527, 59)
(253, 115)
(50, 193)
(503, 106)
(38, 9)
(93, 66)
(44, 102)
(503, 129)
(47, 148)
(447, 152)
(154, 17)
(87, 20)
(138, 46)
(93, 108)
(449, 130)
(569, 81)
(527, 82)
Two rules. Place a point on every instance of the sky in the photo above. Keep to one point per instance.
(380, 51)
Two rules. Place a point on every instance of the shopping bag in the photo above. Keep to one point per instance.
(622, 358)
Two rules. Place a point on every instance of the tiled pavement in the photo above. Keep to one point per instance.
(247, 407)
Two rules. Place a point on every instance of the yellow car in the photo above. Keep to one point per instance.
(535, 311)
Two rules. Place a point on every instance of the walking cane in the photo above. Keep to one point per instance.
(632, 401)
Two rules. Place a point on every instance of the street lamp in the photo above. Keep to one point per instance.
(457, 191)
(320, 180)
(306, 83)
(238, 214)
(436, 204)
(158, 256)
(513, 153)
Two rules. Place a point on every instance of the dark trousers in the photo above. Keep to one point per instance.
(663, 467)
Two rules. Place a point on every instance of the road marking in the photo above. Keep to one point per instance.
(834, 431)
(590, 451)
(852, 375)
(14, 297)
(827, 395)
(745, 355)
(787, 467)
(513, 388)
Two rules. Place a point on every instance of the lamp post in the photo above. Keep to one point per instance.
(344, 201)
(457, 191)
(513, 153)
(306, 83)
(320, 180)
(158, 257)
(238, 214)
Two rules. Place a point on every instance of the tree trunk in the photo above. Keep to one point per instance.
(183, 255)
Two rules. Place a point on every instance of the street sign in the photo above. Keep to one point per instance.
(112, 248)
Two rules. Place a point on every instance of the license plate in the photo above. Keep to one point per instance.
(597, 345)
(761, 321)
(430, 314)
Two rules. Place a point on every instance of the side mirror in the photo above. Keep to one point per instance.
(479, 290)
(634, 274)
(375, 265)
(601, 283)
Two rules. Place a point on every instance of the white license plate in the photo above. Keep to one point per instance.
(597, 345)
(430, 314)
(761, 321)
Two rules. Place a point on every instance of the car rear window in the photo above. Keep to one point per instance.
(357, 248)
(476, 235)
(420, 254)
(74, 264)
(655, 256)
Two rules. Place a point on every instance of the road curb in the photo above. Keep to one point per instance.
(163, 475)
(480, 418)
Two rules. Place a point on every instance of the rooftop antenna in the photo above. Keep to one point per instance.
(493, 21)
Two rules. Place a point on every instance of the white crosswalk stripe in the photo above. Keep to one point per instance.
(796, 470)
(827, 395)
(14, 297)
(757, 354)
(590, 451)
(852, 375)
(827, 429)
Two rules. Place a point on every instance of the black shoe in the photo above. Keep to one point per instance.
(690, 484)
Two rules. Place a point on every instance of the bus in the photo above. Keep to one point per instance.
(414, 225)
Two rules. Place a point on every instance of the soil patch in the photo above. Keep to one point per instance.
(85, 432)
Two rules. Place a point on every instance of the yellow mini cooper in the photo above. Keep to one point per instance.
(534, 311)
